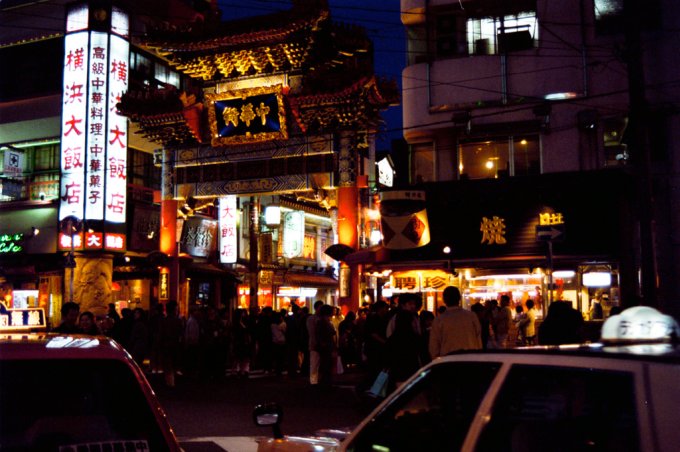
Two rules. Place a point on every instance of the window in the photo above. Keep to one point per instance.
(422, 163)
(448, 37)
(491, 35)
(570, 409)
(143, 172)
(434, 414)
(500, 157)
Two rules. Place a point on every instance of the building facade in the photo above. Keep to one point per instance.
(554, 147)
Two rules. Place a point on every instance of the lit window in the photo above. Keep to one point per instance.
(501, 157)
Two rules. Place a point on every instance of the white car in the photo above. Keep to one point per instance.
(618, 395)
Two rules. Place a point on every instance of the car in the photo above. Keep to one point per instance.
(618, 394)
(76, 393)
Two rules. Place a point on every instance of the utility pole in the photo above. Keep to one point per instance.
(640, 153)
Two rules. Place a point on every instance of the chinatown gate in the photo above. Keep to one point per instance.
(282, 107)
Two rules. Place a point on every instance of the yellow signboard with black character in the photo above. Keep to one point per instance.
(247, 116)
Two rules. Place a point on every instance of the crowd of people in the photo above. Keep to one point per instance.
(398, 336)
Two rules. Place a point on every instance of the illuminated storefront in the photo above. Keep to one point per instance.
(533, 237)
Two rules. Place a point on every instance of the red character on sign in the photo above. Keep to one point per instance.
(74, 60)
(119, 70)
(117, 136)
(117, 204)
(72, 126)
(76, 93)
(72, 195)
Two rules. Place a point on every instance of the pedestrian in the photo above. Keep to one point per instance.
(480, 311)
(528, 324)
(518, 325)
(347, 341)
(192, 352)
(263, 338)
(375, 338)
(426, 319)
(122, 329)
(595, 312)
(455, 329)
(88, 324)
(311, 324)
(171, 334)
(278, 327)
(294, 333)
(325, 345)
(562, 325)
(154, 323)
(70, 313)
(113, 314)
(241, 343)
(139, 337)
(502, 322)
(404, 346)
(212, 330)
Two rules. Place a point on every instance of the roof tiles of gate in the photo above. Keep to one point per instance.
(337, 87)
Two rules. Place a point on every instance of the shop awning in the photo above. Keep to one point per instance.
(309, 280)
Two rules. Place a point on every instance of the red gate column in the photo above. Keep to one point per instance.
(348, 216)
(168, 232)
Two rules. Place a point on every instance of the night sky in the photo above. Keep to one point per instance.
(382, 22)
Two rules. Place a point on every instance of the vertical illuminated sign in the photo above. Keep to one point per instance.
(293, 233)
(96, 130)
(116, 149)
(74, 124)
(94, 136)
(227, 230)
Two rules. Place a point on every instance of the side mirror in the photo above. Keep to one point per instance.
(269, 414)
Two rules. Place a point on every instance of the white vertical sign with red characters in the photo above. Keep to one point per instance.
(94, 137)
(227, 233)
(74, 125)
(116, 143)
(96, 130)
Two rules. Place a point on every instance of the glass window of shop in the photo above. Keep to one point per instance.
(499, 157)
(39, 173)
(592, 289)
(423, 162)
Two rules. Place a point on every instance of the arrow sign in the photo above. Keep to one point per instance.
(550, 233)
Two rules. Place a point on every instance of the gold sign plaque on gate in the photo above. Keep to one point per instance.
(247, 116)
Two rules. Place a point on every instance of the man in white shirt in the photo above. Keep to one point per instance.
(456, 328)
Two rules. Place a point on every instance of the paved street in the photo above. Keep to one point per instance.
(199, 408)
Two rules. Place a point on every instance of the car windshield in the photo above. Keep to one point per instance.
(74, 405)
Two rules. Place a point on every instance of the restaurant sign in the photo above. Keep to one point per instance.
(11, 243)
(199, 236)
(247, 116)
(93, 136)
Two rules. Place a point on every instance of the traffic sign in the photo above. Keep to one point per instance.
(550, 233)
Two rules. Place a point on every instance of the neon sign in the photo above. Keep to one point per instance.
(11, 243)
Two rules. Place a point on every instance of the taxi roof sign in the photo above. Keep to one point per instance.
(640, 324)
(22, 319)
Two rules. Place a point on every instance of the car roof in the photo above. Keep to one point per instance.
(662, 352)
(59, 346)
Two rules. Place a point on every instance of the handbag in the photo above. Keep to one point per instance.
(379, 387)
